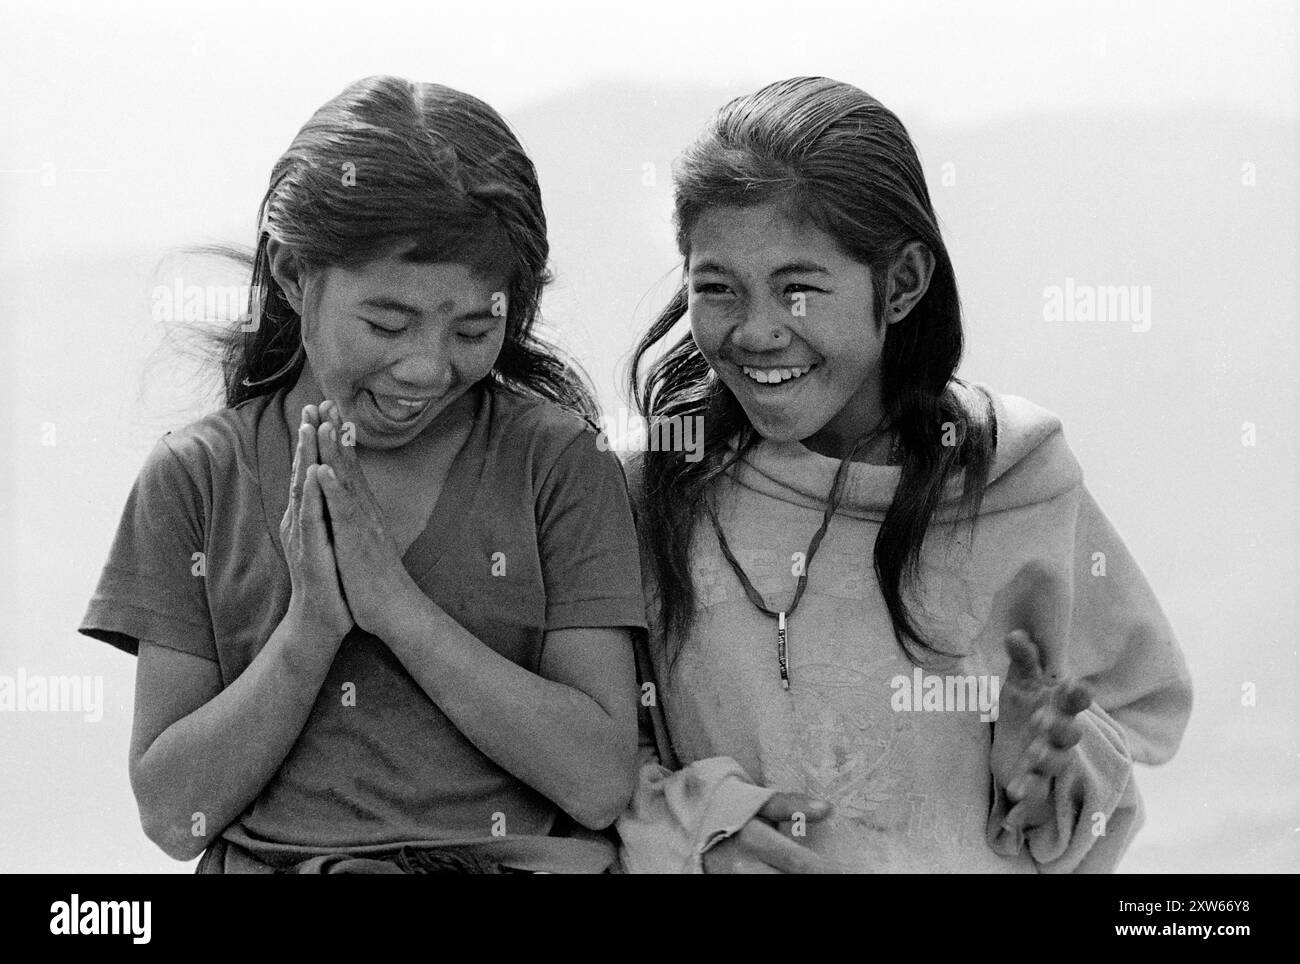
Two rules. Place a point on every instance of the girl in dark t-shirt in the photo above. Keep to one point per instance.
(382, 601)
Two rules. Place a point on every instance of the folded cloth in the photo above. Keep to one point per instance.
(676, 816)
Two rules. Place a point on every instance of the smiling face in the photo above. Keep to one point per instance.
(395, 344)
(786, 320)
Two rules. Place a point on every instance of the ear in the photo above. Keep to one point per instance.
(909, 279)
(287, 272)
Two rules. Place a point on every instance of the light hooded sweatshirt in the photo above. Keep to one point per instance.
(902, 752)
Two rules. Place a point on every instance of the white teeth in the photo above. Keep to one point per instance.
(772, 376)
(396, 406)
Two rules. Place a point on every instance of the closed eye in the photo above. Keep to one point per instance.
(481, 336)
(382, 331)
(711, 288)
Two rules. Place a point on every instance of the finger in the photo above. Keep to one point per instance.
(1027, 785)
(758, 841)
(303, 456)
(335, 414)
(336, 496)
(1041, 601)
(346, 463)
(330, 439)
(1073, 698)
(296, 475)
(1024, 657)
(781, 807)
(327, 443)
(1065, 733)
(307, 457)
(308, 429)
(1030, 813)
(345, 436)
(1052, 762)
(1043, 758)
(311, 517)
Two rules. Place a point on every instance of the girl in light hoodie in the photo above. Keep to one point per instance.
(890, 628)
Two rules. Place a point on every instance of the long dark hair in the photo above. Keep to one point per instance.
(388, 162)
(842, 159)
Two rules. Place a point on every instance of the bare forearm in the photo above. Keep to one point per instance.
(553, 737)
(203, 770)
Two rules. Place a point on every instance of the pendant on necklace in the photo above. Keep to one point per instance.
(781, 659)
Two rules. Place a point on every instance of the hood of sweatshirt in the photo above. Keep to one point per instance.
(1032, 464)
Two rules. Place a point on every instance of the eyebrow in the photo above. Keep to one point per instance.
(792, 267)
(401, 307)
(390, 304)
(484, 315)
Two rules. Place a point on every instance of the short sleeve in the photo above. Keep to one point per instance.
(152, 586)
(587, 541)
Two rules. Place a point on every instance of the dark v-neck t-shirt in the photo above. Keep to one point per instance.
(532, 532)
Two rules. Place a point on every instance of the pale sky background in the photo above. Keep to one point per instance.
(204, 99)
(1106, 142)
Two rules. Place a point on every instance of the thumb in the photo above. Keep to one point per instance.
(1025, 667)
(1040, 599)
(783, 806)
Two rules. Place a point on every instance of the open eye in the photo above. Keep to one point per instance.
(796, 287)
(710, 288)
